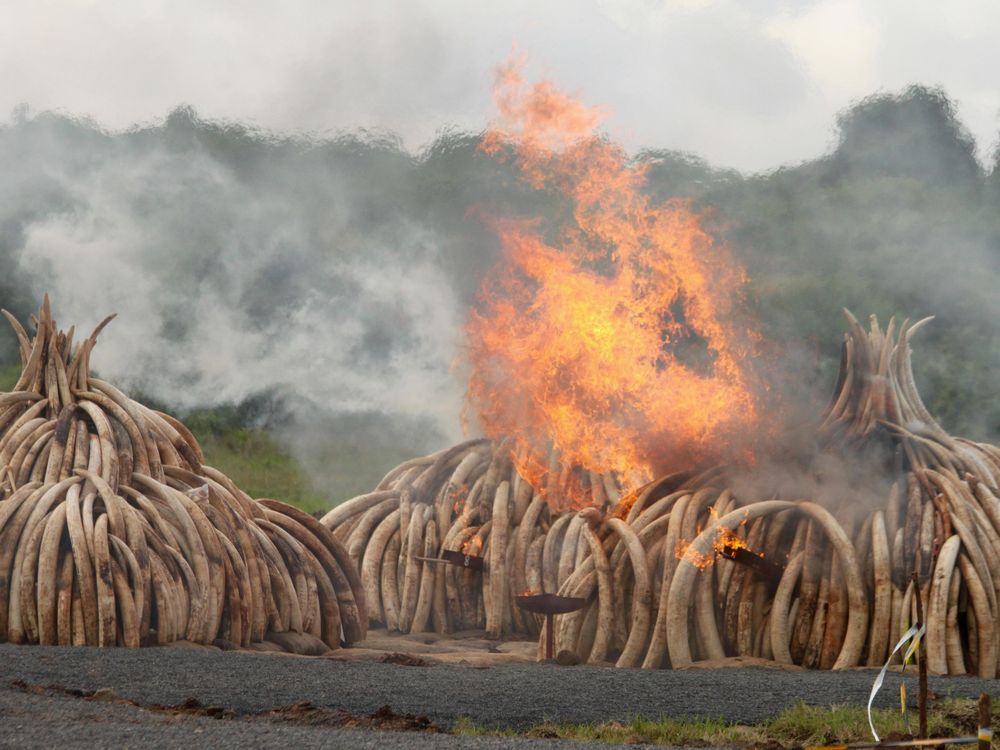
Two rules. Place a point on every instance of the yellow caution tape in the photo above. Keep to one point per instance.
(914, 645)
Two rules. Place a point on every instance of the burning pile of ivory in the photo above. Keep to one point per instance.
(469, 498)
(113, 531)
(685, 569)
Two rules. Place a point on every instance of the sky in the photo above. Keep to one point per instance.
(751, 85)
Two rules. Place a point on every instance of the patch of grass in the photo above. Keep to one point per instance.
(465, 727)
(259, 466)
(262, 467)
(664, 731)
(798, 725)
(9, 375)
(811, 725)
(342, 464)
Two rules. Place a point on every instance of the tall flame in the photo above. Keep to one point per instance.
(609, 338)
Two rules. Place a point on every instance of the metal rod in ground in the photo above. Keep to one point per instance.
(921, 660)
(550, 636)
(985, 722)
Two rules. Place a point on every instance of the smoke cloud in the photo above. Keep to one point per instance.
(240, 264)
(331, 277)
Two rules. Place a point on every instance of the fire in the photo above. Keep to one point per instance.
(727, 544)
(733, 547)
(472, 546)
(625, 504)
(610, 338)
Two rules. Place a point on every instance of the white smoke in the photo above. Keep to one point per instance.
(229, 283)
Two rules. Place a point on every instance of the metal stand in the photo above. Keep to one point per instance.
(549, 605)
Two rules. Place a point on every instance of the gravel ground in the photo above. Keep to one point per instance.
(32, 721)
(513, 695)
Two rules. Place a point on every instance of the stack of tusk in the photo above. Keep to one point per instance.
(114, 532)
(659, 592)
(470, 499)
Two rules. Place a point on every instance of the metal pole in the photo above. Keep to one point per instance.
(921, 660)
(985, 723)
(550, 636)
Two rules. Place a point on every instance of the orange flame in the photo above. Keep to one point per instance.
(605, 344)
(726, 544)
(472, 546)
(625, 504)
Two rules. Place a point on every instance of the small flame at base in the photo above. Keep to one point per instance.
(725, 545)
(732, 546)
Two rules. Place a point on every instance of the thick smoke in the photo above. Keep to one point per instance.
(241, 265)
(899, 219)
(333, 276)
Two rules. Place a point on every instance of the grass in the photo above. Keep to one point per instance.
(8, 376)
(798, 725)
(261, 468)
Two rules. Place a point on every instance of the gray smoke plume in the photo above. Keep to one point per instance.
(240, 264)
(333, 276)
